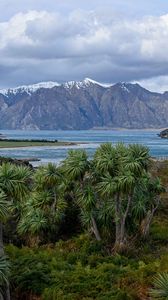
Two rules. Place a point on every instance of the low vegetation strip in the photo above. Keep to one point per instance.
(32, 143)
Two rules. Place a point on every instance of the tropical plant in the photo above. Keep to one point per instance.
(122, 168)
(15, 181)
(4, 213)
(14, 185)
(86, 200)
(76, 164)
(146, 200)
(46, 205)
(78, 169)
(160, 289)
(4, 274)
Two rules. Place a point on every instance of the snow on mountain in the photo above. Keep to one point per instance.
(83, 105)
(71, 84)
(29, 89)
(124, 86)
(89, 81)
(84, 83)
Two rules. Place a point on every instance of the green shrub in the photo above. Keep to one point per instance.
(159, 230)
(79, 269)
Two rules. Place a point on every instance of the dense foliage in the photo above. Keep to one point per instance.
(87, 229)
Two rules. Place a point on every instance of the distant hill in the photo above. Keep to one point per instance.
(85, 104)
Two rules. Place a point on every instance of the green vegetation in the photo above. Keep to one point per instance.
(160, 289)
(88, 229)
(31, 143)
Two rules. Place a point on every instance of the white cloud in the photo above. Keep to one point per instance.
(155, 84)
(41, 45)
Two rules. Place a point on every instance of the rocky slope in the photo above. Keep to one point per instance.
(82, 105)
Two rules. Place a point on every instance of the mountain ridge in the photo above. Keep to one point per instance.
(68, 84)
(86, 104)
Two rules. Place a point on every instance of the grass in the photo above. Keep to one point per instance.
(16, 144)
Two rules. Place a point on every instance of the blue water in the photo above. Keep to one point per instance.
(93, 138)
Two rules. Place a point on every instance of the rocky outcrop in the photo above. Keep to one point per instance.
(164, 134)
(82, 105)
(18, 162)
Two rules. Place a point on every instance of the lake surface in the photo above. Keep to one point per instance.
(92, 138)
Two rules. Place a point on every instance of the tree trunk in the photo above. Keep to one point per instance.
(120, 241)
(95, 229)
(122, 236)
(145, 224)
(117, 223)
(1, 240)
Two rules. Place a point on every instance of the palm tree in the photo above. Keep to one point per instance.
(14, 184)
(51, 180)
(106, 159)
(76, 164)
(138, 159)
(15, 181)
(32, 222)
(160, 290)
(45, 206)
(86, 200)
(121, 167)
(78, 169)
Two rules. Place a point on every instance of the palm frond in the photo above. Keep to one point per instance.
(160, 289)
(86, 197)
(4, 270)
(15, 180)
(76, 164)
(107, 186)
(4, 207)
(32, 222)
(139, 206)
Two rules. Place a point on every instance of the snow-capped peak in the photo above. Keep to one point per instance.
(71, 84)
(84, 83)
(124, 86)
(88, 81)
(29, 89)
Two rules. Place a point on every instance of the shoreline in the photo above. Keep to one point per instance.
(125, 129)
(7, 144)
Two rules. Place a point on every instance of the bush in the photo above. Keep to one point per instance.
(79, 269)
(159, 230)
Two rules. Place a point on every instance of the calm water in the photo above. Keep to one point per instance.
(158, 147)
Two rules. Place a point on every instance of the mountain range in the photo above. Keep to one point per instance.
(83, 104)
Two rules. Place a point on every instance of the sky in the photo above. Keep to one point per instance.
(106, 40)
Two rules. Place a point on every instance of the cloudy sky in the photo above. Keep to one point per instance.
(106, 40)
